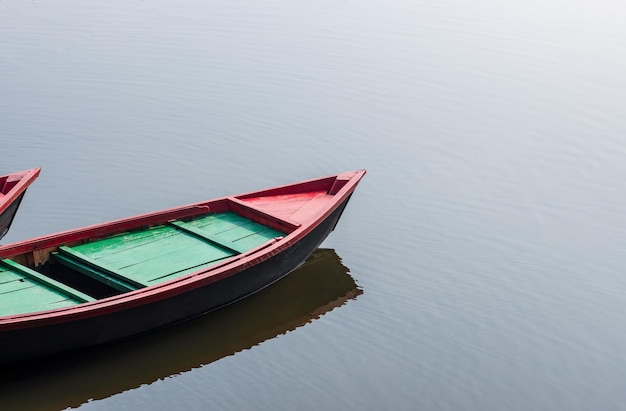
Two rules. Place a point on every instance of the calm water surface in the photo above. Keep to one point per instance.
(479, 266)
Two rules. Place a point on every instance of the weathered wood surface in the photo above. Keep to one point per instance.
(151, 256)
(25, 290)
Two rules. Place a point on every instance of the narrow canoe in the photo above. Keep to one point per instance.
(110, 281)
(12, 189)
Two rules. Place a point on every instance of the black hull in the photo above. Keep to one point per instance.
(67, 381)
(27, 344)
(7, 216)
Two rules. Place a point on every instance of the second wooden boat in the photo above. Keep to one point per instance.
(12, 189)
(110, 281)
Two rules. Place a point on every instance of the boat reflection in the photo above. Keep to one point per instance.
(317, 287)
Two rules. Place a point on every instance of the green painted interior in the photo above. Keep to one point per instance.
(97, 273)
(23, 290)
(132, 260)
(151, 256)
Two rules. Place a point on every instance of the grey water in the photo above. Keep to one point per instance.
(479, 266)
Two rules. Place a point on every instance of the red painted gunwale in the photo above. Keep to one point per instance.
(297, 226)
(14, 184)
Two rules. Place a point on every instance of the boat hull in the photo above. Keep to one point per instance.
(35, 341)
(7, 216)
(12, 189)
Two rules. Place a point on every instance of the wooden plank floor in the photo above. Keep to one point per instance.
(166, 252)
(299, 208)
(22, 294)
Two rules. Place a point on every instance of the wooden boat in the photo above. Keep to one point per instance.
(319, 286)
(12, 189)
(109, 281)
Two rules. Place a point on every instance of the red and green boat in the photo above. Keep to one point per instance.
(12, 189)
(109, 281)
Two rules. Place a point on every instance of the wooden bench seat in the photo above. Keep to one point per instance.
(87, 266)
